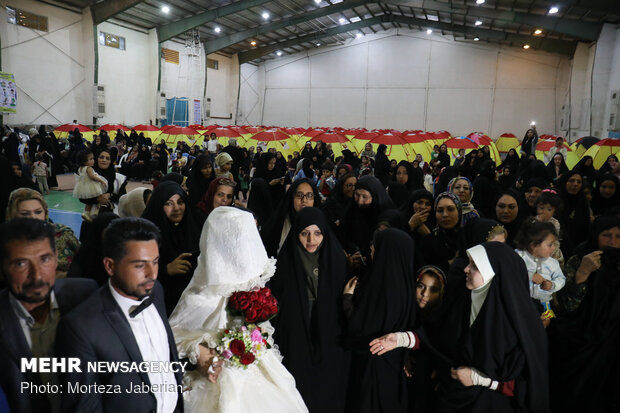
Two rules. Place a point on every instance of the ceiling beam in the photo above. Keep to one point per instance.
(581, 30)
(550, 45)
(253, 54)
(170, 30)
(225, 41)
(110, 8)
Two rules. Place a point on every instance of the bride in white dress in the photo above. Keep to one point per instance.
(232, 258)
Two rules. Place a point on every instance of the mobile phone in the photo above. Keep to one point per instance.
(193, 260)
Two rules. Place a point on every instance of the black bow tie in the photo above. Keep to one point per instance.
(134, 310)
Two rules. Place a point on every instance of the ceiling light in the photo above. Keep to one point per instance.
(279, 53)
(526, 46)
(537, 31)
(478, 22)
(253, 43)
(429, 31)
(479, 1)
(341, 20)
(553, 10)
(217, 29)
(165, 9)
(476, 39)
(317, 1)
(318, 44)
(358, 35)
(265, 15)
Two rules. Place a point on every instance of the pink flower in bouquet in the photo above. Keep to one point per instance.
(227, 354)
(256, 336)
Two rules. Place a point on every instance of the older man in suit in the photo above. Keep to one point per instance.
(119, 324)
(30, 308)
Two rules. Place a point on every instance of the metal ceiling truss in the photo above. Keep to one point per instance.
(225, 41)
(110, 8)
(581, 30)
(170, 30)
(257, 53)
(542, 43)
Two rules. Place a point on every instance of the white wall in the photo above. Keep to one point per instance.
(53, 69)
(126, 76)
(223, 89)
(252, 83)
(406, 80)
(185, 79)
(606, 78)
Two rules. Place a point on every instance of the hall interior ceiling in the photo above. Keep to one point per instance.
(296, 25)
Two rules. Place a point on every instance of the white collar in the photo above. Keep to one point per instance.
(125, 303)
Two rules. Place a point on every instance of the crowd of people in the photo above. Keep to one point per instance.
(449, 284)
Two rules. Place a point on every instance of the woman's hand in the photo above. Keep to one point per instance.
(355, 260)
(274, 182)
(349, 288)
(380, 346)
(208, 363)
(589, 264)
(462, 374)
(180, 265)
(418, 219)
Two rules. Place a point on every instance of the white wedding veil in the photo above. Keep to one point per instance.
(232, 258)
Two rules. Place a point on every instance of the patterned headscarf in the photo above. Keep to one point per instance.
(456, 201)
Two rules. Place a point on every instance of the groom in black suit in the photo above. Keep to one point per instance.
(119, 324)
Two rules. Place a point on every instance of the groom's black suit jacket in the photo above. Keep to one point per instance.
(97, 330)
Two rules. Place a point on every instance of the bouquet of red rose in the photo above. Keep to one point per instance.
(255, 306)
(242, 346)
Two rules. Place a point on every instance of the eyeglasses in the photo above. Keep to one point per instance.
(300, 195)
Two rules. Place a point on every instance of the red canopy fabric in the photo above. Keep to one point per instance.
(69, 127)
(330, 137)
(113, 127)
(461, 143)
(546, 145)
(147, 128)
(270, 135)
(180, 130)
(608, 142)
(224, 132)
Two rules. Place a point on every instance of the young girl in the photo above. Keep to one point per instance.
(88, 183)
(547, 205)
(535, 244)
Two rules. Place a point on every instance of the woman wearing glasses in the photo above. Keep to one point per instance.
(300, 194)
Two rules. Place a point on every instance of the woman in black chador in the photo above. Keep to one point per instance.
(491, 346)
(309, 279)
(168, 209)
(384, 302)
(584, 343)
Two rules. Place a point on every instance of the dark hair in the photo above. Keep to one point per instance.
(122, 230)
(38, 157)
(533, 232)
(25, 229)
(82, 156)
(549, 197)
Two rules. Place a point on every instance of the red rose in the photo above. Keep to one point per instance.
(247, 358)
(237, 347)
(239, 301)
(252, 314)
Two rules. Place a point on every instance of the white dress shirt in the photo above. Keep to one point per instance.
(150, 334)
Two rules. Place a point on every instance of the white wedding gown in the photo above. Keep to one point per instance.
(265, 386)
